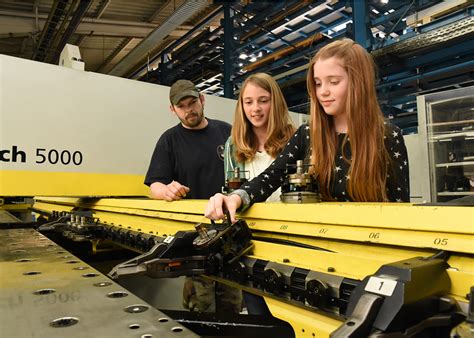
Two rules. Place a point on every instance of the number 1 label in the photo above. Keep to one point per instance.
(381, 286)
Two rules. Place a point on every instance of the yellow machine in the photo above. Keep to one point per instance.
(325, 268)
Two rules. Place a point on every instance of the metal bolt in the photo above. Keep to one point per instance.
(237, 172)
(299, 167)
(202, 231)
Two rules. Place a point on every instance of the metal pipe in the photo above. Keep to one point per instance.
(18, 14)
(48, 30)
(432, 73)
(135, 56)
(57, 32)
(71, 28)
(139, 72)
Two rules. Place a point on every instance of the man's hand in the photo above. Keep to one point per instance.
(219, 202)
(168, 192)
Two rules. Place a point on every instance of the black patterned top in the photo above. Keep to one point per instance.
(298, 148)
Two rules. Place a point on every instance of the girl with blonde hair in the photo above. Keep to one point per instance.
(261, 128)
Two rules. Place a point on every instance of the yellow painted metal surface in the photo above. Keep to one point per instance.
(403, 216)
(356, 261)
(52, 207)
(443, 228)
(305, 323)
(30, 183)
(184, 206)
(356, 238)
(461, 242)
(16, 207)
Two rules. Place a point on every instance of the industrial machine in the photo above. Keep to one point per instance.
(325, 269)
(328, 269)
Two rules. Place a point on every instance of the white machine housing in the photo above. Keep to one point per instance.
(71, 57)
(70, 133)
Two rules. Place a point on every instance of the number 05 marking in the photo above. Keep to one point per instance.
(441, 241)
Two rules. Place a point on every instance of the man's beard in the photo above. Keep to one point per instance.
(193, 119)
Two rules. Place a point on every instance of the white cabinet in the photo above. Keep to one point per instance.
(446, 123)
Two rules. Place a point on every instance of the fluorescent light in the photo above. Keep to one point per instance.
(341, 26)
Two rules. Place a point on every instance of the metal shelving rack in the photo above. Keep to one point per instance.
(420, 46)
(446, 124)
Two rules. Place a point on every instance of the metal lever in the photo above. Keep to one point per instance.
(54, 225)
(137, 265)
(204, 251)
(360, 322)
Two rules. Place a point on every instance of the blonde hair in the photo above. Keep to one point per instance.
(366, 129)
(280, 127)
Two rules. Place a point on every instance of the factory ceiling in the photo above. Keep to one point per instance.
(419, 46)
(115, 37)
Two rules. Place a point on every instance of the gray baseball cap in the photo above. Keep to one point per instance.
(181, 89)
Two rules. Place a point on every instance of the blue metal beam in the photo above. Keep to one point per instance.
(465, 66)
(304, 52)
(460, 49)
(276, 7)
(228, 51)
(178, 42)
(384, 19)
(319, 16)
(362, 34)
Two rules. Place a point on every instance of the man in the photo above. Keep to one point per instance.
(188, 158)
(188, 162)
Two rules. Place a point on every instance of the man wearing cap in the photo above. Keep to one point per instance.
(188, 162)
(188, 158)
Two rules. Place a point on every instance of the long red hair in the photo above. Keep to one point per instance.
(366, 129)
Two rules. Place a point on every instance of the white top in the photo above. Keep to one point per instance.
(258, 164)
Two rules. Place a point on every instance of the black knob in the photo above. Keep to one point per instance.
(317, 293)
(238, 272)
(273, 281)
